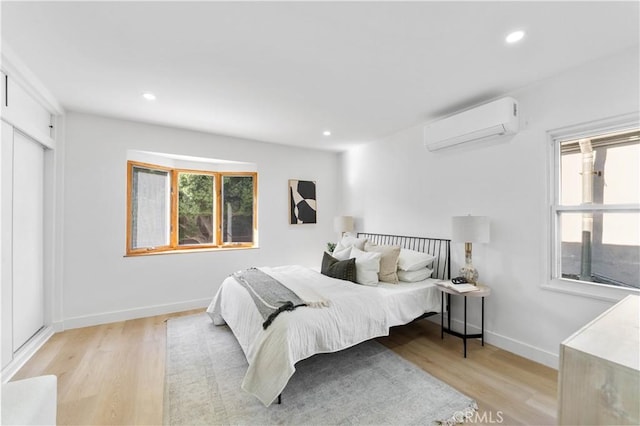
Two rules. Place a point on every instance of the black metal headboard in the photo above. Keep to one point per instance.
(438, 247)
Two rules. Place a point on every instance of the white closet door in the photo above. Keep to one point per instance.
(6, 209)
(28, 241)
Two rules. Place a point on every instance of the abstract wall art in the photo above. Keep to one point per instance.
(302, 201)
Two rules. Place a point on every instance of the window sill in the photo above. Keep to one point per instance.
(191, 250)
(605, 292)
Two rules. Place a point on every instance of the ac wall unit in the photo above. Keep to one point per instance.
(487, 121)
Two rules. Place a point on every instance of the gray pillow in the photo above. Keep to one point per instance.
(341, 269)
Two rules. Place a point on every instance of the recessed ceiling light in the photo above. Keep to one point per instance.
(515, 37)
(327, 133)
(149, 96)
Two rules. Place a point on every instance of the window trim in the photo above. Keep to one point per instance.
(174, 205)
(254, 175)
(138, 251)
(553, 281)
(174, 246)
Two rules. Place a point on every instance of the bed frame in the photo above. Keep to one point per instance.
(438, 247)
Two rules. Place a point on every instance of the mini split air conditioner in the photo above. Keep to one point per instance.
(487, 121)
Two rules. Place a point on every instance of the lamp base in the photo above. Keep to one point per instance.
(468, 271)
(470, 274)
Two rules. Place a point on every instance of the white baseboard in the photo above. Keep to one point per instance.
(523, 349)
(27, 351)
(508, 344)
(129, 314)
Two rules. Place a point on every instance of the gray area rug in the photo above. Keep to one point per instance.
(365, 384)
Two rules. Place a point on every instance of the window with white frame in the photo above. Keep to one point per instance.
(596, 205)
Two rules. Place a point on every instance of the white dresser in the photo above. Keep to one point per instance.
(599, 377)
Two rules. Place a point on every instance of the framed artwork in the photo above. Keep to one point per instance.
(302, 201)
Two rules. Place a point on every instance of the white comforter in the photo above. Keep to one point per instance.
(355, 313)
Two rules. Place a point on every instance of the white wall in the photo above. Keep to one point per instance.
(101, 285)
(397, 186)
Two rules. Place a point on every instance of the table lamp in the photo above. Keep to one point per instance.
(470, 229)
(342, 224)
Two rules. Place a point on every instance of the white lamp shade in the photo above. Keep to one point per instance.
(470, 229)
(343, 224)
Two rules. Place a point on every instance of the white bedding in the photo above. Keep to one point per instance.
(355, 313)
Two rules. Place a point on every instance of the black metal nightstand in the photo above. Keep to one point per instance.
(482, 292)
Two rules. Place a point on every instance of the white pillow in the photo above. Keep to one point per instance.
(349, 241)
(367, 266)
(342, 253)
(411, 260)
(415, 276)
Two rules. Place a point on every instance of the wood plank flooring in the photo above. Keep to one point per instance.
(509, 389)
(114, 373)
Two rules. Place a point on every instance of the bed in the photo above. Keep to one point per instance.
(354, 313)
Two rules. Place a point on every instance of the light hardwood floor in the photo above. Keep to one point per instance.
(509, 389)
(114, 373)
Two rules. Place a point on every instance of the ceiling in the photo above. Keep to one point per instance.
(284, 72)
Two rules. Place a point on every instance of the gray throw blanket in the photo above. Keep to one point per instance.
(270, 295)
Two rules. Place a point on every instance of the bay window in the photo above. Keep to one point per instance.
(176, 209)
